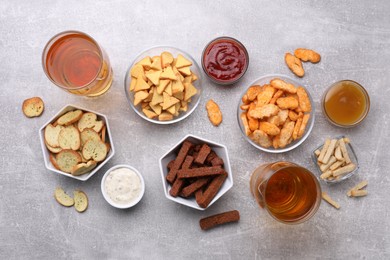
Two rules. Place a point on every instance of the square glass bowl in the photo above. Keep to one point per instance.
(155, 51)
(352, 156)
(219, 149)
(46, 153)
(294, 144)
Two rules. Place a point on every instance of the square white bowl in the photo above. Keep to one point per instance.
(219, 149)
(46, 153)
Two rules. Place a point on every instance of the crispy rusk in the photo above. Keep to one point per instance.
(277, 95)
(286, 133)
(304, 101)
(307, 55)
(261, 138)
(265, 96)
(244, 121)
(284, 86)
(289, 102)
(214, 112)
(294, 64)
(298, 124)
(253, 91)
(264, 111)
(302, 129)
(269, 129)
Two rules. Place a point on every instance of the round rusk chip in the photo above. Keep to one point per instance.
(33, 107)
(67, 159)
(83, 168)
(70, 117)
(51, 135)
(80, 201)
(63, 198)
(95, 150)
(69, 138)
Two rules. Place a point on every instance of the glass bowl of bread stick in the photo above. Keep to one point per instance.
(335, 159)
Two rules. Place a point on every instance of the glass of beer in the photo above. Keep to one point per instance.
(75, 62)
(290, 193)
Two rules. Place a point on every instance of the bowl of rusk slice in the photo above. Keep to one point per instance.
(275, 113)
(196, 172)
(76, 142)
(163, 85)
(335, 159)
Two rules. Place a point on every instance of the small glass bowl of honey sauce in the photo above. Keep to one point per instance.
(346, 103)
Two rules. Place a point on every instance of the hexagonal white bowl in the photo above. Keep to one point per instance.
(219, 149)
(45, 151)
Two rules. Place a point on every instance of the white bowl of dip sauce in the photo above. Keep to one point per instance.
(122, 186)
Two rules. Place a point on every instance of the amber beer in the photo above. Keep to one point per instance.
(289, 192)
(75, 62)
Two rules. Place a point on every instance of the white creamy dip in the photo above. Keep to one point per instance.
(122, 185)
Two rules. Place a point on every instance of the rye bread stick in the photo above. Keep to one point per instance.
(217, 161)
(178, 184)
(203, 153)
(185, 148)
(219, 219)
(212, 190)
(200, 172)
(211, 156)
(196, 185)
(198, 195)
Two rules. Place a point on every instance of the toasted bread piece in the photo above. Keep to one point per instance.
(70, 117)
(307, 55)
(53, 161)
(95, 150)
(304, 101)
(294, 64)
(67, 159)
(264, 111)
(69, 138)
(63, 198)
(265, 96)
(53, 149)
(89, 120)
(51, 135)
(182, 62)
(269, 129)
(33, 107)
(261, 138)
(165, 116)
(166, 59)
(88, 134)
(80, 201)
(284, 86)
(189, 91)
(214, 112)
(83, 168)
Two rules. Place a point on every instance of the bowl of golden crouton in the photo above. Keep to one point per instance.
(276, 113)
(163, 85)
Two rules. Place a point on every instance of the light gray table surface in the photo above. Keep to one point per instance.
(353, 38)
